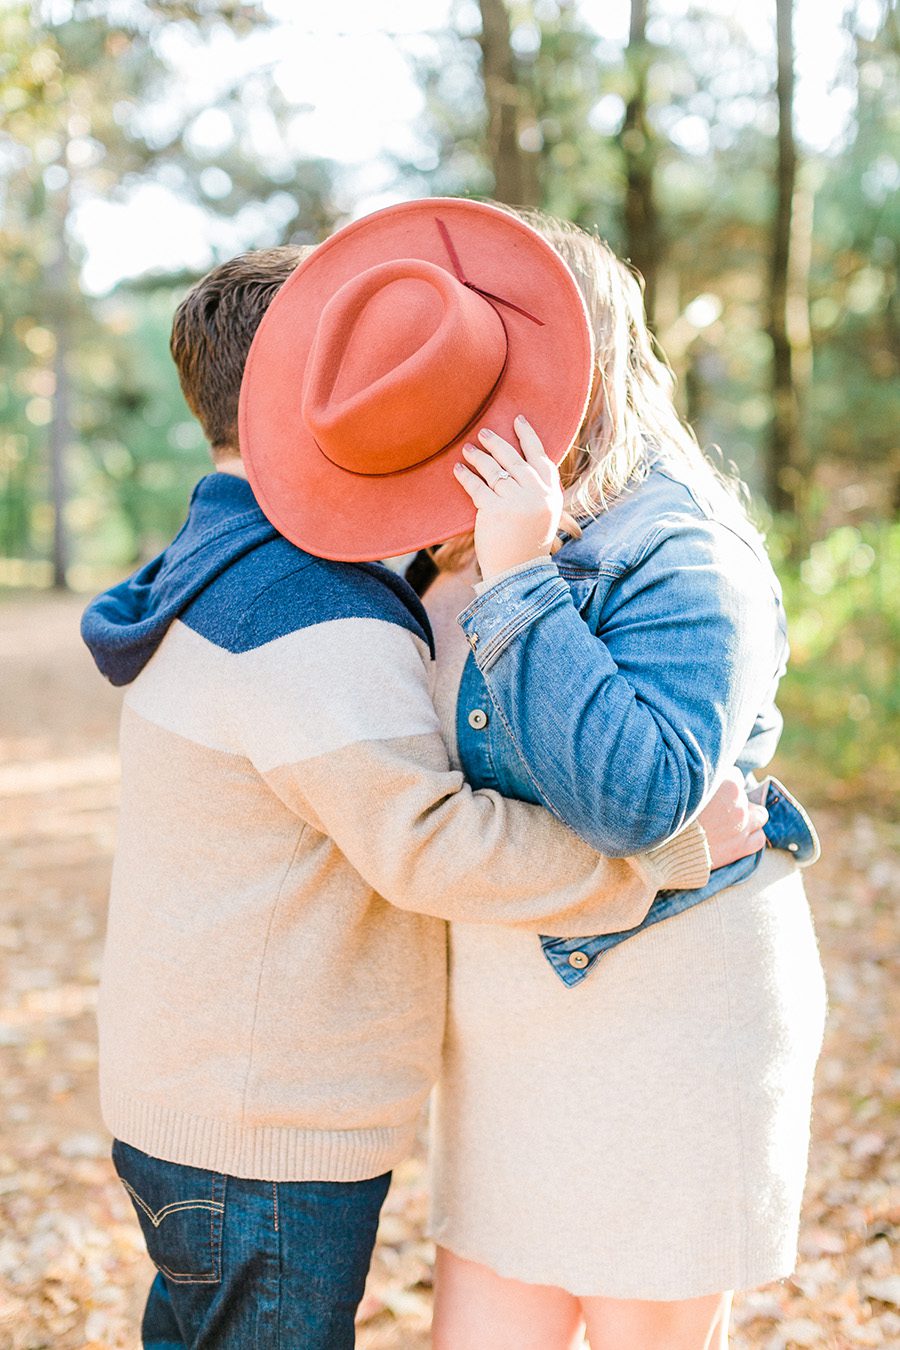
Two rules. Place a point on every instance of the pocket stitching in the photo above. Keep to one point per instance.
(157, 1217)
(214, 1206)
(186, 1277)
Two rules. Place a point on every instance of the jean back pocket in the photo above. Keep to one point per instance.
(181, 1211)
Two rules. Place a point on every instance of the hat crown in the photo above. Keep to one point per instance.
(404, 358)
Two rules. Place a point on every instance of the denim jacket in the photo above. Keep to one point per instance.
(614, 684)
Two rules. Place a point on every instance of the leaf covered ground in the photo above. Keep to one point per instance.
(72, 1270)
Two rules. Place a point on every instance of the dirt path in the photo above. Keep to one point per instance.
(72, 1269)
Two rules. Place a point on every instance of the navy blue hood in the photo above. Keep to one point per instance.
(124, 626)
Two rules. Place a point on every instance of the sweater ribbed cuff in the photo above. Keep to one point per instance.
(682, 863)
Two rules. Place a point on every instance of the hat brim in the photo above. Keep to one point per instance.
(348, 517)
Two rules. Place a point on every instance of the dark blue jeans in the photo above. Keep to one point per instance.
(250, 1265)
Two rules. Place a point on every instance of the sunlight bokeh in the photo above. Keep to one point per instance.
(347, 70)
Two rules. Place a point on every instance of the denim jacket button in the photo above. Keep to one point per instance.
(578, 960)
(478, 719)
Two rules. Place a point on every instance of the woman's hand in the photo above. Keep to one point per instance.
(518, 496)
(733, 824)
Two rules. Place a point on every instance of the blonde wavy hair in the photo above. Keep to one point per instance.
(631, 409)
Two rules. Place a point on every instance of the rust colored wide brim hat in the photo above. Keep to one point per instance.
(388, 348)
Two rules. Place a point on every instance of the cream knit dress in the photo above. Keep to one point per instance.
(643, 1135)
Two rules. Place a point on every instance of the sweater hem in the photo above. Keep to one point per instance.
(258, 1152)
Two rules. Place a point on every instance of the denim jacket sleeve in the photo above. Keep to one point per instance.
(623, 730)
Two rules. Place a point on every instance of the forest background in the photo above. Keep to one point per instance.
(744, 158)
(770, 260)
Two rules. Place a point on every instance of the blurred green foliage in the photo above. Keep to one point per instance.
(841, 696)
(144, 449)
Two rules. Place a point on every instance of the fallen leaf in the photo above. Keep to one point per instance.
(886, 1291)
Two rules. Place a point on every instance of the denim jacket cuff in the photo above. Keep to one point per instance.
(481, 586)
(508, 606)
(682, 863)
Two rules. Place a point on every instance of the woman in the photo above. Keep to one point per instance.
(623, 1149)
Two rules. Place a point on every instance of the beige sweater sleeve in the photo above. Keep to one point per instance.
(370, 770)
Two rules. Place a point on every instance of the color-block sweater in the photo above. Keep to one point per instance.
(291, 839)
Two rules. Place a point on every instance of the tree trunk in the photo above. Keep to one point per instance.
(783, 466)
(60, 436)
(515, 169)
(642, 228)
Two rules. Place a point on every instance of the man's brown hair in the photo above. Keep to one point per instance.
(212, 332)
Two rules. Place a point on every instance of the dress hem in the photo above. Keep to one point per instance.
(765, 1274)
